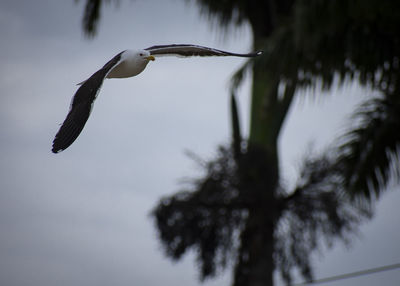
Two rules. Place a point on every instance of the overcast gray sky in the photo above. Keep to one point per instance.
(81, 217)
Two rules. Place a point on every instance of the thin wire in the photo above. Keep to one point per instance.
(351, 275)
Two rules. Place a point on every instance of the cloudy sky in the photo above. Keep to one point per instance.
(81, 217)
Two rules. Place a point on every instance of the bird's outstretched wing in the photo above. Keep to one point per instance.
(81, 107)
(186, 50)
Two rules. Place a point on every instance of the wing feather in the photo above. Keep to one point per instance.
(81, 106)
(187, 50)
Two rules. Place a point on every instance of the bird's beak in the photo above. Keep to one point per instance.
(150, 58)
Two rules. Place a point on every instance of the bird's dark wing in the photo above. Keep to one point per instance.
(81, 107)
(186, 50)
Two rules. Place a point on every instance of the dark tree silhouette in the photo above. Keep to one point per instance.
(212, 216)
(91, 16)
(239, 211)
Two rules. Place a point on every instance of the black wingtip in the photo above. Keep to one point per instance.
(56, 150)
(252, 55)
(57, 147)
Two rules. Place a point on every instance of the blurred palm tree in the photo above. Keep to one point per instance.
(239, 211)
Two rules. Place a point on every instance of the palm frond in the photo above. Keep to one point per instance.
(236, 133)
(91, 16)
(226, 12)
(238, 77)
(369, 153)
(206, 217)
(316, 211)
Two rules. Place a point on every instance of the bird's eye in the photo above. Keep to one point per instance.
(141, 54)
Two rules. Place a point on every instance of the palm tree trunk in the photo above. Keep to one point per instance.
(255, 265)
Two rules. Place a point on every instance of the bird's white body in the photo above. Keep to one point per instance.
(133, 62)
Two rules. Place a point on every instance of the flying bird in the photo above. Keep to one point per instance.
(127, 63)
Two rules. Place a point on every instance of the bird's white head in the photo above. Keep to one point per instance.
(145, 55)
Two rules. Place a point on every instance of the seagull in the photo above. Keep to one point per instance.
(127, 63)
